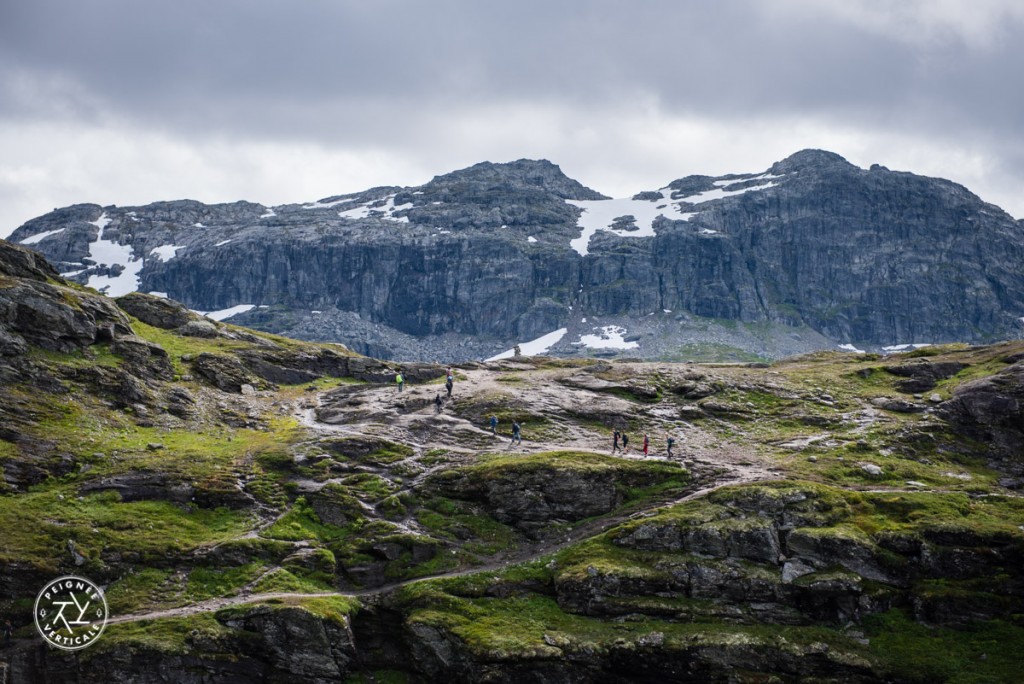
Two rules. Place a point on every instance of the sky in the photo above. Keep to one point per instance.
(277, 101)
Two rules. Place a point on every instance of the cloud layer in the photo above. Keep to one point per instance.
(120, 102)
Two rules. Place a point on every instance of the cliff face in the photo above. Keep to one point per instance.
(812, 252)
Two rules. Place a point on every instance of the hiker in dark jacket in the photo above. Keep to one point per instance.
(670, 441)
(625, 443)
(438, 401)
(615, 441)
(448, 385)
(515, 433)
(494, 425)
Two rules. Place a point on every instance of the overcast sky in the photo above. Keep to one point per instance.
(128, 102)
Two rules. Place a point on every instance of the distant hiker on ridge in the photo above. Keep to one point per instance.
(494, 425)
(647, 443)
(625, 443)
(448, 385)
(670, 441)
(400, 381)
(515, 433)
(615, 440)
(438, 401)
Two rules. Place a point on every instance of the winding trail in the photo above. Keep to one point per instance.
(380, 412)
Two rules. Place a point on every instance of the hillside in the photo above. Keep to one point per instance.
(809, 254)
(263, 509)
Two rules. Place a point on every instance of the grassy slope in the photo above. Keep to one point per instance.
(795, 399)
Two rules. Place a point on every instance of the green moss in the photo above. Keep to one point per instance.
(281, 580)
(454, 520)
(38, 525)
(515, 628)
(369, 486)
(179, 636)
(984, 653)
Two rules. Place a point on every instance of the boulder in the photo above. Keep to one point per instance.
(991, 410)
(158, 312)
(224, 372)
(922, 376)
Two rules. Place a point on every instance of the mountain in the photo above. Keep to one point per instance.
(812, 253)
(260, 509)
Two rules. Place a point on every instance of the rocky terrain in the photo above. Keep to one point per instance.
(810, 254)
(263, 509)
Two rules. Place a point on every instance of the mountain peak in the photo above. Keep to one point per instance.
(540, 174)
(810, 159)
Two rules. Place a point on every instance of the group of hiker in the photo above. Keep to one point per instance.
(618, 437)
(621, 437)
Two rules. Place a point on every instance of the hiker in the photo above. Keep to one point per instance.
(670, 441)
(515, 433)
(8, 632)
(615, 440)
(448, 385)
(625, 443)
(438, 401)
(494, 425)
(647, 443)
(516, 351)
(400, 381)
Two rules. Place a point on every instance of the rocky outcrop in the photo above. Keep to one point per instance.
(991, 410)
(530, 494)
(813, 252)
(789, 554)
(922, 376)
(253, 643)
(156, 311)
(35, 307)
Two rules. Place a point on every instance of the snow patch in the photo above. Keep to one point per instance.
(161, 295)
(534, 347)
(531, 239)
(904, 347)
(103, 221)
(720, 193)
(327, 205)
(600, 214)
(386, 212)
(198, 225)
(270, 213)
(851, 348)
(110, 253)
(223, 242)
(166, 252)
(40, 237)
(223, 314)
(610, 337)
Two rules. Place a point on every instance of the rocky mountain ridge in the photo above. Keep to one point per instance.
(811, 253)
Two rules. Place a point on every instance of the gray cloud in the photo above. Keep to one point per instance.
(424, 82)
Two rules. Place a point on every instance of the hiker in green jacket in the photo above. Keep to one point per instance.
(400, 381)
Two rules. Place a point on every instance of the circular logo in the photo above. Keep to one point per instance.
(71, 613)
